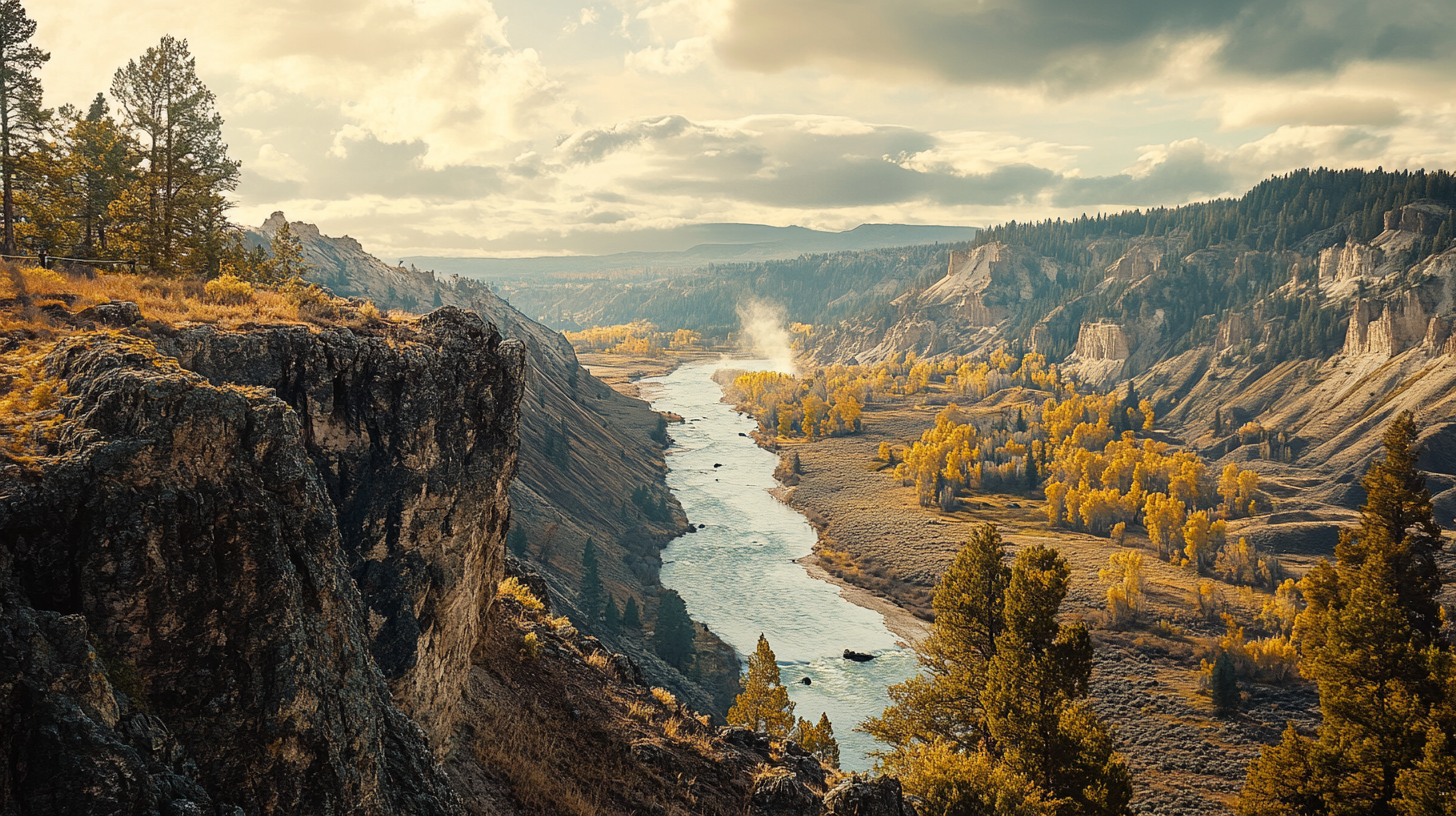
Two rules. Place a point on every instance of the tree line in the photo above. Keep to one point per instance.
(140, 174)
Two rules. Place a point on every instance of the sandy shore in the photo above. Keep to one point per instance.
(910, 629)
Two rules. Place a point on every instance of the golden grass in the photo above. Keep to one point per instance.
(175, 302)
(598, 661)
(665, 697)
(29, 417)
(511, 588)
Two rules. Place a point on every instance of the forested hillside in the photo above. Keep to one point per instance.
(810, 288)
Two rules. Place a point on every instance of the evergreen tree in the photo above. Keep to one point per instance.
(287, 251)
(517, 542)
(611, 618)
(171, 217)
(1370, 641)
(631, 617)
(818, 739)
(1004, 677)
(1223, 685)
(22, 120)
(673, 636)
(764, 703)
(103, 162)
(592, 594)
(1033, 478)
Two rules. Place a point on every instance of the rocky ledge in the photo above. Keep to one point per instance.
(245, 560)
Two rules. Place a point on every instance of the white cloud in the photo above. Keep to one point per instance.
(276, 165)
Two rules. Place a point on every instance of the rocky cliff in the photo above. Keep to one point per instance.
(586, 449)
(213, 576)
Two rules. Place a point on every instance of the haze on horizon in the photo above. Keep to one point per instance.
(531, 127)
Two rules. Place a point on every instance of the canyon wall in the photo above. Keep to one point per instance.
(230, 587)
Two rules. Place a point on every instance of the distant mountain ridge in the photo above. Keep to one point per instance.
(699, 244)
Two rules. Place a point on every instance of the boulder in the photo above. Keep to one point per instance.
(782, 793)
(862, 796)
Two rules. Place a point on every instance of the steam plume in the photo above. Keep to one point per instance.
(765, 333)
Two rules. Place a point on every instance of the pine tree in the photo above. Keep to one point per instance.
(1002, 675)
(103, 161)
(171, 217)
(818, 739)
(22, 119)
(611, 618)
(764, 703)
(592, 594)
(673, 636)
(631, 618)
(1224, 685)
(517, 542)
(1370, 641)
(287, 256)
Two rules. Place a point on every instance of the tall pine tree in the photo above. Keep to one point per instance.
(592, 595)
(1370, 639)
(673, 636)
(171, 218)
(22, 119)
(1003, 690)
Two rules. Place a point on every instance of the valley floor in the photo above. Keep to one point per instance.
(876, 536)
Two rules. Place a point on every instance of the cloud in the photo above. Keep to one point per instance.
(276, 165)
(1069, 48)
(1310, 109)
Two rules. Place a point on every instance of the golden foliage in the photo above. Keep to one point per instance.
(228, 289)
(639, 338)
(1124, 571)
(511, 588)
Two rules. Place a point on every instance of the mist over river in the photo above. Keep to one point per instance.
(740, 577)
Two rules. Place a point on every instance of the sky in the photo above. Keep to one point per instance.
(544, 127)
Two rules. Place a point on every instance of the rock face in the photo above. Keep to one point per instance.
(959, 313)
(1102, 341)
(1387, 329)
(1353, 260)
(409, 440)
(214, 577)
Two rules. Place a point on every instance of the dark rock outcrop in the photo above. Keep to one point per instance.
(862, 796)
(205, 575)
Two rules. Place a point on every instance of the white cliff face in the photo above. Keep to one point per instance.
(1138, 263)
(979, 283)
(1102, 341)
(1351, 261)
(1400, 323)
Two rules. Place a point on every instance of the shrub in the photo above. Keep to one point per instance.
(1280, 611)
(598, 661)
(641, 711)
(229, 290)
(1208, 600)
(511, 588)
(369, 313)
(665, 697)
(530, 647)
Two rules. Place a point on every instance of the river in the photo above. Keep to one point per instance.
(740, 575)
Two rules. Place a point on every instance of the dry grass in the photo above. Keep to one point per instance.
(520, 593)
(665, 697)
(598, 661)
(176, 302)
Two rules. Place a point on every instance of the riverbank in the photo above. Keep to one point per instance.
(748, 569)
(623, 372)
